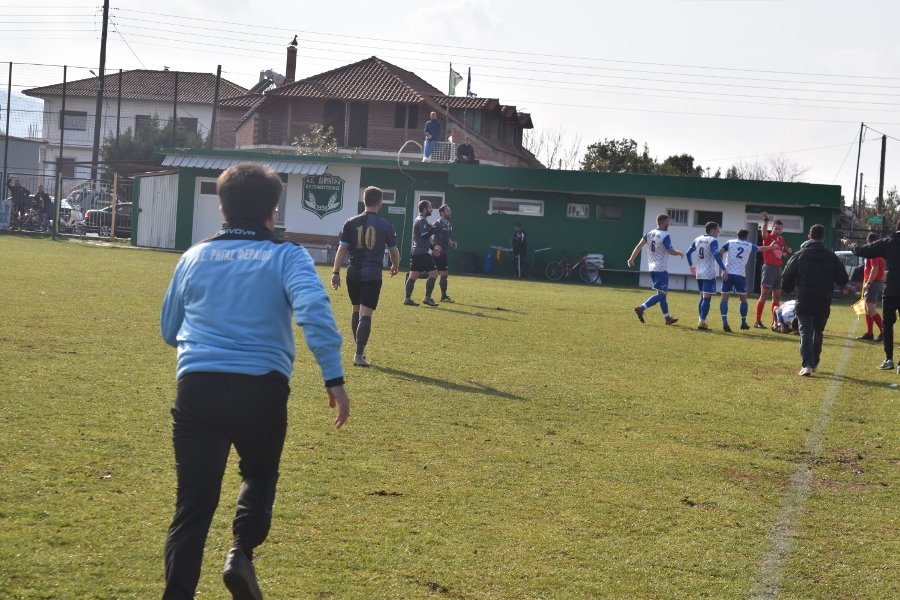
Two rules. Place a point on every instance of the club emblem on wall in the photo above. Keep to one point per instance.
(323, 194)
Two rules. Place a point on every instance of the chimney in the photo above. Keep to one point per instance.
(290, 69)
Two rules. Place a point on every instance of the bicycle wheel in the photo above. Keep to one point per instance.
(589, 273)
(555, 270)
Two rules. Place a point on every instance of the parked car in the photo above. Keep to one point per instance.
(99, 220)
(88, 199)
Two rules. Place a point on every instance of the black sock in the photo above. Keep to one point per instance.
(362, 334)
(443, 284)
(410, 284)
(354, 323)
(429, 287)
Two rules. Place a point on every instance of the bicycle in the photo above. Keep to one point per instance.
(587, 265)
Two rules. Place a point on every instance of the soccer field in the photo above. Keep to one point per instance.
(532, 440)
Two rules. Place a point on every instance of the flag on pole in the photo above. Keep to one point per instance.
(859, 308)
(455, 78)
(469, 93)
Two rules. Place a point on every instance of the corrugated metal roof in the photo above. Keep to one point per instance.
(289, 167)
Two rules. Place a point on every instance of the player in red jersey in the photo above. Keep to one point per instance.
(770, 279)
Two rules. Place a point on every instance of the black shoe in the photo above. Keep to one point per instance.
(867, 336)
(446, 299)
(759, 325)
(239, 576)
(880, 337)
(726, 328)
(429, 302)
(744, 325)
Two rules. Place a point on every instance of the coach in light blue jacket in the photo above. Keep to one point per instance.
(228, 311)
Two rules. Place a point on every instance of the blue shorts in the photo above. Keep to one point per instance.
(736, 283)
(660, 281)
(707, 285)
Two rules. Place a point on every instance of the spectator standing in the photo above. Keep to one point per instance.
(43, 205)
(813, 271)
(365, 238)
(889, 249)
(432, 134)
(228, 310)
(19, 196)
(519, 250)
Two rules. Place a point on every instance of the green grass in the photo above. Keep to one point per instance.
(532, 440)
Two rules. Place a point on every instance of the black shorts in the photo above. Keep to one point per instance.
(440, 262)
(364, 292)
(422, 262)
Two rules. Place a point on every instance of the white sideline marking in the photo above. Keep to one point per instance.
(767, 583)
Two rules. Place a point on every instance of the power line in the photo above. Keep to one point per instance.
(499, 50)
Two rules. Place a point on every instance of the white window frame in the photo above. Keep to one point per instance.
(578, 210)
(673, 221)
(494, 201)
(792, 223)
(434, 206)
(390, 196)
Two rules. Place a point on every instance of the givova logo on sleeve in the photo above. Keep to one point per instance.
(323, 194)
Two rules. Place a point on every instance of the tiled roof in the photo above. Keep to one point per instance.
(142, 84)
(466, 102)
(371, 79)
(244, 101)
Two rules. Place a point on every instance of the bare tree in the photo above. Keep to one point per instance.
(777, 168)
(784, 168)
(554, 148)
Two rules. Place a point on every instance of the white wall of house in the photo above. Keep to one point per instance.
(734, 217)
(78, 143)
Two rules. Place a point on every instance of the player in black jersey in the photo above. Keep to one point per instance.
(422, 261)
(365, 237)
(442, 232)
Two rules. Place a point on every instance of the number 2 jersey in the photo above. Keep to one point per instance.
(737, 253)
(367, 235)
(659, 243)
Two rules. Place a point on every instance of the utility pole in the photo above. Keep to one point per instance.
(881, 177)
(862, 127)
(95, 155)
(861, 205)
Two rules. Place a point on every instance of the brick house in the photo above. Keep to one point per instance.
(374, 108)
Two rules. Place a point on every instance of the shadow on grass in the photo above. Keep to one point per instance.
(496, 308)
(879, 384)
(480, 315)
(470, 388)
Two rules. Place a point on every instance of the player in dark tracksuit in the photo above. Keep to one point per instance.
(365, 237)
(442, 232)
(519, 248)
(422, 260)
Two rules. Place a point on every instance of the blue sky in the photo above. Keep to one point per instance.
(725, 81)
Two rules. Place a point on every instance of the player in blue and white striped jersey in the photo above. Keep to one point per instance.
(737, 254)
(707, 249)
(660, 245)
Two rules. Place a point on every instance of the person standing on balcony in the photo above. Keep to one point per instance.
(432, 133)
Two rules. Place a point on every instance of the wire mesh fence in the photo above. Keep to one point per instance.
(56, 138)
